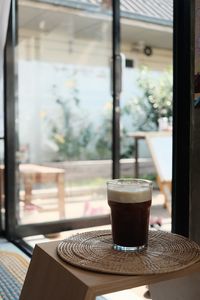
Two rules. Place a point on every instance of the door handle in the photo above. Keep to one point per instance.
(119, 68)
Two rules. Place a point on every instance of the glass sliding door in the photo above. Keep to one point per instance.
(63, 113)
(146, 99)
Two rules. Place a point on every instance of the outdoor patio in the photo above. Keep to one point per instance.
(92, 202)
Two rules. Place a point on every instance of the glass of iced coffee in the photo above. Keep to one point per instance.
(130, 202)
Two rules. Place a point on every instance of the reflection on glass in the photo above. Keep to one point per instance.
(65, 107)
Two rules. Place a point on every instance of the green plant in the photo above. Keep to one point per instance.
(103, 145)
(70, 130)
(154, 102)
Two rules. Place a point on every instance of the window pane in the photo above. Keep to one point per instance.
(64, 109)
(146, 99)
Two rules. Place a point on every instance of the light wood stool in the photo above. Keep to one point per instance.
(49, 278)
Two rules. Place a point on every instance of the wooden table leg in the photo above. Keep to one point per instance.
(48, 280)
(28, 185)
(184, 288)
(61, 194)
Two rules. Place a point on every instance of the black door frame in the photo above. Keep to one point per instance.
(9, 125)
(116, 88)
(182, 103)
(181, 128)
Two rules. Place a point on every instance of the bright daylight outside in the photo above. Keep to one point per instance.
(65, 110)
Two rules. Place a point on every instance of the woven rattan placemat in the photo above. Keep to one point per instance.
(93, 251)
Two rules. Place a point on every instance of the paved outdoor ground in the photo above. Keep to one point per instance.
(44, 207)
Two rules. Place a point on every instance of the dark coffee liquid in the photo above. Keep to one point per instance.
(130, 223)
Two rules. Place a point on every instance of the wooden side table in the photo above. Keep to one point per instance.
(33, 174)
(50, 278)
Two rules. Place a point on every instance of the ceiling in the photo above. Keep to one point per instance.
(85, 25)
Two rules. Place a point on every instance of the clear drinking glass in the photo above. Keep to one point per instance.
(130, 202)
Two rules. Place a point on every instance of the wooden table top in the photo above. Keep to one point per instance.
(37, 169)
(105, 283)
(33, 169)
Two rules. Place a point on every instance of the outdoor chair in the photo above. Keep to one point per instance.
(160, 147)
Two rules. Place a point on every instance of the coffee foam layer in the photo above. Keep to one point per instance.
(129, 194)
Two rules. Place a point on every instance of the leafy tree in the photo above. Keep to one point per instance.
(154, 102)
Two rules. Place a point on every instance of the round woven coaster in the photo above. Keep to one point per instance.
(93, 251)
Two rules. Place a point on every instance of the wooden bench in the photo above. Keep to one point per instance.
(33, 174)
